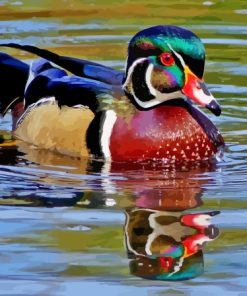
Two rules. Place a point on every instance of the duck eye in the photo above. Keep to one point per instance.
(167, 59)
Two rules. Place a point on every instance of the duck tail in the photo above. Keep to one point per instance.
(13, 78)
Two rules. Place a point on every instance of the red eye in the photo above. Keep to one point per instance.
(167, 59)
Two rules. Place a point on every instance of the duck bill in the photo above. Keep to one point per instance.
(196, 90)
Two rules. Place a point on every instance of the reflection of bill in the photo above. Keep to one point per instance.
(167, 245)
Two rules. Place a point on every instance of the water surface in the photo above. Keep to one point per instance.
(70, 226)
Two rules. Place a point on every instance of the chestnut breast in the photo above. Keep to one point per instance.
(167, 132)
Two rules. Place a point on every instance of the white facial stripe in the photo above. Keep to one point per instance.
(177, 55)
(107, 126)
(160, 98)
(148, 80)
(130, 71)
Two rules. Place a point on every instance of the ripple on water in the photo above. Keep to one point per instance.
(62, 225)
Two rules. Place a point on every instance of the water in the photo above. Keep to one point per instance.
(70, 226)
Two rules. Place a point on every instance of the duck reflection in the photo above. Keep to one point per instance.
(163, 242)
(167, 245)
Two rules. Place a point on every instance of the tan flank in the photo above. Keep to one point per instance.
(58, 129)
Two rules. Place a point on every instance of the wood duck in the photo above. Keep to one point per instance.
(140, 114)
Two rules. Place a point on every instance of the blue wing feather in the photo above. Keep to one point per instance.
(68, 90)
(79, 67)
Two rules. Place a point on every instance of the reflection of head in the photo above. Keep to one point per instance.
(168, 268)
(167, 245)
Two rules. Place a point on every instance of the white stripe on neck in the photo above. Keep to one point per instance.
(130, 71)
(160, 98)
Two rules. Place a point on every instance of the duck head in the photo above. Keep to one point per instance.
(164, 63)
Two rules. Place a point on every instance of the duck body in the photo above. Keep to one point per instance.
(105, 113)
(119, 132)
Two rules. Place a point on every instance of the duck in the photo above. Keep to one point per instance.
(85, 109)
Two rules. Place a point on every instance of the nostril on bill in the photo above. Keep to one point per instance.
(203, 86)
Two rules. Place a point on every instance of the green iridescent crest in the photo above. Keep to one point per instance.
(192, 47)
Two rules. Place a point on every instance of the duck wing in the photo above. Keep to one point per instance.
(47, 81)
(79, 67)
